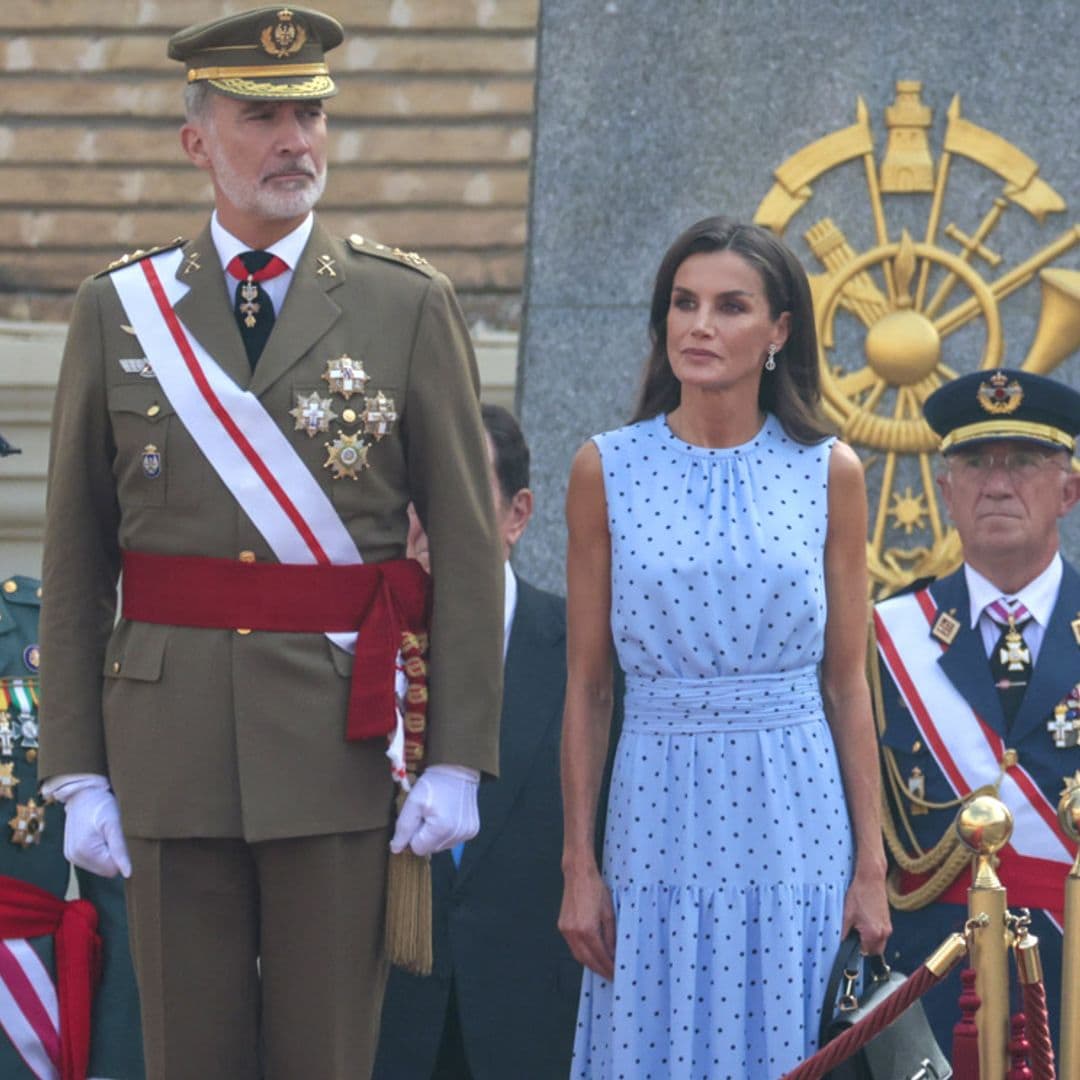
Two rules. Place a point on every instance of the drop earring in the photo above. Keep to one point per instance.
(770, 362)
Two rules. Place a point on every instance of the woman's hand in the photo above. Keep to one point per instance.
(866, 910)
(587, 920)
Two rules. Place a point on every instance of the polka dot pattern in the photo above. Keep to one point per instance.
(728, 844)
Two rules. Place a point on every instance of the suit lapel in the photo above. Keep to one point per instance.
(964, 661)
(1058, 668)
(205, 309)
(523, 724)
(308, 311)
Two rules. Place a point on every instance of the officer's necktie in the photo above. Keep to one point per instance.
(1010, 659)
(254, 309)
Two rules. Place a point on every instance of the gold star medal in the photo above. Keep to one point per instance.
(347, 456)
(312, 413)
(8, 780)
(346, 376)
(28, 824)
(379, 415)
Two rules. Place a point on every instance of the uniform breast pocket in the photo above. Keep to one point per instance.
(157, 462)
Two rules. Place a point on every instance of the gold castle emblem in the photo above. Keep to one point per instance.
(285, 37)
(920, 303)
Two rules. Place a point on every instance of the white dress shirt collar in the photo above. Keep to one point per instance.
(510, 595)
(288, 249)
(1038, 596)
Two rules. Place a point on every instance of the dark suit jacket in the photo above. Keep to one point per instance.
(495, 916)
(204, 732)
(916, 934)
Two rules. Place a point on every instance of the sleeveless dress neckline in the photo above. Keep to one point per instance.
(748, 447)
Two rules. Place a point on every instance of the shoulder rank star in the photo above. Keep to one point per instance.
(28, 824)
(8, 780)
(312, 413)
(347, 456)
(379, 415)
(346, 376)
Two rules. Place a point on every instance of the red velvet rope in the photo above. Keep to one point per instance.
(858, 1035)
(1038, 1031)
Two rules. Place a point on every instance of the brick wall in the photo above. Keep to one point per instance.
(429, 147)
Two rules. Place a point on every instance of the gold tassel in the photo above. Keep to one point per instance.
(408, 910)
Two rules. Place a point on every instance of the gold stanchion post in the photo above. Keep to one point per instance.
(985, 825)
(1069, 816)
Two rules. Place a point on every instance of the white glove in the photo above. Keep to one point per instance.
(439, 812)
(93, 839)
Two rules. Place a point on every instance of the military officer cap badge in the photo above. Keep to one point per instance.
(271, 53)
(1004, 404)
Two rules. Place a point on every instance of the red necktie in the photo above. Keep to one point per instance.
(254, 309)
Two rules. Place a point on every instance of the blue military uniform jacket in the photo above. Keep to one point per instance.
(905, 755)
(116, 1050)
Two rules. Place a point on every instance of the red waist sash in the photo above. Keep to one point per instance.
(378, 601)
(1029, 882)
(27, 911)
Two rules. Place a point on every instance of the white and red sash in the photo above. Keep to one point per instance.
(242, 442)
(29, 1008)
(967, 750)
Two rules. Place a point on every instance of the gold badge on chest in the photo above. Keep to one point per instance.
(347, 452)
(946, 627)
(28, 824)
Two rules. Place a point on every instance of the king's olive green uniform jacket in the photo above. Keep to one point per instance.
(211, 733)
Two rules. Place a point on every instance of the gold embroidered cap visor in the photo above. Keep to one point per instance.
(1004, 403)
(273, 53)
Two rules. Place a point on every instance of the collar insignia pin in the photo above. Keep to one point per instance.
(946, 627)
(326, 266)
(192, 264)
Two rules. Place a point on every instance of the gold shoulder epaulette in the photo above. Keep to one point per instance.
(366, 246)
(135, 256)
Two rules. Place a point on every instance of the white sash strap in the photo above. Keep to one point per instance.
(29, 1008)
(242, 442)
(967, 750)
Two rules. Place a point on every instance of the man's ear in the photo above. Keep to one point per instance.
(1070, 490)
(193, 140)
(518, 514)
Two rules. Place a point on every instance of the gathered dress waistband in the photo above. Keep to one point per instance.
(671, 706)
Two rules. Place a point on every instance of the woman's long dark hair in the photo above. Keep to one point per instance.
(793, 390)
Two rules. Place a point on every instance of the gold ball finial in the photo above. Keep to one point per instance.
(1069, 807)
(985, 825)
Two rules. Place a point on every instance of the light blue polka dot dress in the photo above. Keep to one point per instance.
(728, 846)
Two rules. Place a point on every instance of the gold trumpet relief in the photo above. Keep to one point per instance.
(909, 294)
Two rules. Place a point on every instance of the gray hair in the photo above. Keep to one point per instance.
(197, 101)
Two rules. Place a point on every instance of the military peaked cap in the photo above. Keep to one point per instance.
(1004, 404)
(275, 53)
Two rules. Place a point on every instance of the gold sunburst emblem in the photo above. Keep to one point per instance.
(919, 303)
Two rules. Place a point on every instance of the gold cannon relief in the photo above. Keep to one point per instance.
(910, 291)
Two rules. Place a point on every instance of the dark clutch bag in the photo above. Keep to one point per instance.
(905, 1050)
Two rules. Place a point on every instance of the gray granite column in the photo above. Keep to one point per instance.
(654, 113)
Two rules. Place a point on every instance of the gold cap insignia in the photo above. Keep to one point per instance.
(285, 37)
(999, 396)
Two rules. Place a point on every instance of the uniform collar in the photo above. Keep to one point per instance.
(1039, 595)
(289, 248)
